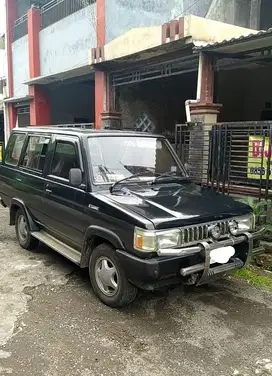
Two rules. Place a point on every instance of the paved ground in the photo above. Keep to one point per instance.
(52, 325)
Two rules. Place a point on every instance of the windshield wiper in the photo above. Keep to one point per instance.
(128, 178)
(170, 176)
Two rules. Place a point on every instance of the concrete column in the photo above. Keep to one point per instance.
(205, 111)
(110, 117)
(105, 112)
(40, 113)
(11, 16)
(99, 97)
(34, 27)
(203, 116)
(99, 75)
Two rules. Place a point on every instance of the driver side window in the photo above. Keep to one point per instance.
(65, 158)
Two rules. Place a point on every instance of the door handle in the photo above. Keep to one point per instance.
(47, 189)
(18, 179)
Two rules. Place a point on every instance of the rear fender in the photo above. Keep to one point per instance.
(16, 204)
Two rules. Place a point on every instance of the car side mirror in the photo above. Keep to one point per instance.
(75, 177)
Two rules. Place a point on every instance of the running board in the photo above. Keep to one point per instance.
(58, 246)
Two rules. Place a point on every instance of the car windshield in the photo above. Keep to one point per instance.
(116, 158)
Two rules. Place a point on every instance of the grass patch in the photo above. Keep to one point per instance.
(254, 279)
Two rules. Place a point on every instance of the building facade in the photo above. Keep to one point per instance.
(51, 80)
(49, 77)
(153, 74)
(2, 89)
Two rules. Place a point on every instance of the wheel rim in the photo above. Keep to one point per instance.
(106, 276)
(22, 228)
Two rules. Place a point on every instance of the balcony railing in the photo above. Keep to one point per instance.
(20, 27)
(51, 12)
(55, 10)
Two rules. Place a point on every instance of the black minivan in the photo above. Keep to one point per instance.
(121, 204)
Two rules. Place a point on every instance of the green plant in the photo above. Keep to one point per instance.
(258, 207)
(253, 278)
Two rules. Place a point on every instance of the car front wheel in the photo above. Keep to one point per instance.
(108, 278)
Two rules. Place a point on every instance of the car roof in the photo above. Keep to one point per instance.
(84, 131)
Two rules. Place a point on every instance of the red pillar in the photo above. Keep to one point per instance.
(34, 27)
(207, 80)
(39, 105)
(11, 16)
(205, 111)
(99, 76)
(99, 97)
(100, 22)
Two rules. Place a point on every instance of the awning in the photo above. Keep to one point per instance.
(261, 39)
(59, 77)
(251, 50)
(26, 98)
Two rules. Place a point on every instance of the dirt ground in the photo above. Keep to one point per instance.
(51, 324)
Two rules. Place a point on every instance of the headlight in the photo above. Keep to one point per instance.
(145, 241)
(151, 241)
(215, 232)
(242, 224)
(169, 239)
(234, 227)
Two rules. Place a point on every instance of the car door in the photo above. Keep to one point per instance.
(64, 204)
(10, 175)
(30, 180)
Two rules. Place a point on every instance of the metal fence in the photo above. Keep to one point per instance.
(231, 158)
(20, 27)
(76, 125)
(56, 10)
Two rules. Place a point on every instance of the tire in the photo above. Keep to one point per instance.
(23, 234)
(108, 278)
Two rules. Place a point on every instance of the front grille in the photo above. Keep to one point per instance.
(194, 234)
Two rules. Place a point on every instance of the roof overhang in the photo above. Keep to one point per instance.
(244, 43)
(152, 55)
(26, 98)
(59, 77)
(252, 51)
(148, 42)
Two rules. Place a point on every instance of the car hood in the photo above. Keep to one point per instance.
(171, 205)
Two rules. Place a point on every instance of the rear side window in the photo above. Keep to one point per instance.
(65, 158)
(34, 156)
(14, 148)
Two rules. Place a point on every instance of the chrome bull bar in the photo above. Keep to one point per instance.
(234, 263)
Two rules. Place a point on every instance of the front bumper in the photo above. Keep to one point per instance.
(165, 269)
(209, 270)
(188, 251)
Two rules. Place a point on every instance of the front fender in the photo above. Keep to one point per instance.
(94, 232)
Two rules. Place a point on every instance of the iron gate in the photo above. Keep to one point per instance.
(231, 158)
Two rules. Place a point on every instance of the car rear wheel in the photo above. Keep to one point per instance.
(24, 237)
(108, 278)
